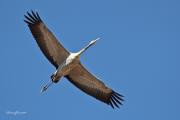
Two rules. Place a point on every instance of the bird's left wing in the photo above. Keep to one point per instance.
(91, 85)
(45, 39)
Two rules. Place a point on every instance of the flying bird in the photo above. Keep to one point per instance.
(68, 64)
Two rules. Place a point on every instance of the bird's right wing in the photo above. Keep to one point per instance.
(91, 85)
(45, 39)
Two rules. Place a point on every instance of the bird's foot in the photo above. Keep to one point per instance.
(44, 88)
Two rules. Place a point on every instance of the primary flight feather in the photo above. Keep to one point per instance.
(68, 64)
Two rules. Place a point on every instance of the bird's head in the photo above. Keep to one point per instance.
(94, 41)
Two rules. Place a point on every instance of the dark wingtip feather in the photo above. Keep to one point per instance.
(118, 94)
(32, 18)
(27, 22)
(38, 16)
(115, 103)
(111, 104)
(34, 15)
(115, 99)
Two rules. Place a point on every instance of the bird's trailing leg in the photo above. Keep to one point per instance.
(53, 80)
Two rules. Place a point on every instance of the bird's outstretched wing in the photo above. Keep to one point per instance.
(88, 83)
(45, 39)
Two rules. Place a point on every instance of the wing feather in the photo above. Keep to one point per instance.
(45, 39)
(91, 85)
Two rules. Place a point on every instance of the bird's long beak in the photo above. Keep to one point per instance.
(98, 38)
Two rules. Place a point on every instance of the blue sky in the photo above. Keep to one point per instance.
(138, 56)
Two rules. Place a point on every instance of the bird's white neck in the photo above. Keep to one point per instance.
(89, 45)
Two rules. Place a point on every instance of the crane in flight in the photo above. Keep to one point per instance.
(68, 64)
